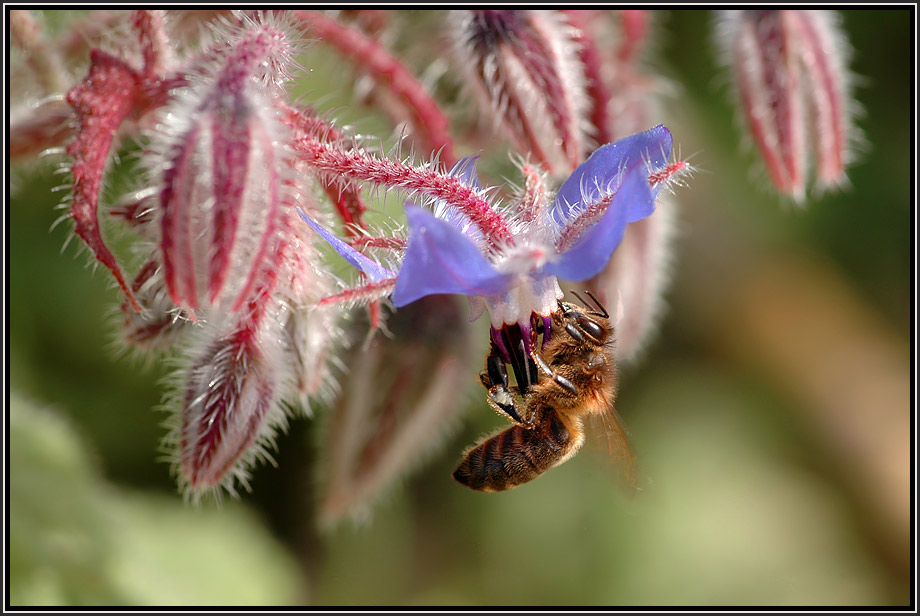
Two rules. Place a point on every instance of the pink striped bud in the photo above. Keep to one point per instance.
(402, 396)
(228, 405)
(790, 71)
(633, 284)
(223, 187)
(525, 65)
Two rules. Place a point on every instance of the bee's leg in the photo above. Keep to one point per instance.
(558, 379)
(500, 398)
(574, 332)
(502, 401)
(495, 372)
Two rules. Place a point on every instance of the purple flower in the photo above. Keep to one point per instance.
(573, 239)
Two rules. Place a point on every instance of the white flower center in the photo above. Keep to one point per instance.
(524, 259)
(538, 296)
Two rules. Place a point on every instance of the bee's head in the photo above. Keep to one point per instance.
(589, 325)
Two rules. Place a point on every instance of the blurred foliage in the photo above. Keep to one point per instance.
(78, 540)
(748, 499)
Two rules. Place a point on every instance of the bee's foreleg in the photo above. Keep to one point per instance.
(558, 379)
(495, 372)
(574, 332)
(500, 398)
(502, 401)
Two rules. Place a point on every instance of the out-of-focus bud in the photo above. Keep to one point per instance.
(633, 284)
(224, 164)
(525, 65)
(45, 62)
(39, 128)
(791, 76)
(228, 405)
(157, 326)
(400, 396)
(311, 331)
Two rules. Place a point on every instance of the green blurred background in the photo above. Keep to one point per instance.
(771, 416)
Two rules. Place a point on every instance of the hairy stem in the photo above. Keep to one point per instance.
(353, 165)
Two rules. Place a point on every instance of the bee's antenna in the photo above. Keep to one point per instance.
(580, 298)
(600, 307)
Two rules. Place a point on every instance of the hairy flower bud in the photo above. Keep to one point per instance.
(228, 405)
(223, 186)
(790, 72)
(404, 394)
(525, 64)
(634, 282)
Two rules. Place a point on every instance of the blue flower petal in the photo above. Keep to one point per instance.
(371, 268)
(593, 249)
(602, 167)
(441, 259)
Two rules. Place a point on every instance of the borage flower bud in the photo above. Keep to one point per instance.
(223, 167)
(228, 404)
(790, 73)
(404, 394)
(525, 65)
(636, 277)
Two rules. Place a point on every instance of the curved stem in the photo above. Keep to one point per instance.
(353, 165)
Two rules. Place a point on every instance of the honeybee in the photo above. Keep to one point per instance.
(577, 378)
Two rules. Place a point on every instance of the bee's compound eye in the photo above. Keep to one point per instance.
(590, 327)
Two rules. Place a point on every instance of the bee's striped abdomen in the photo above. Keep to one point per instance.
(516, 455)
